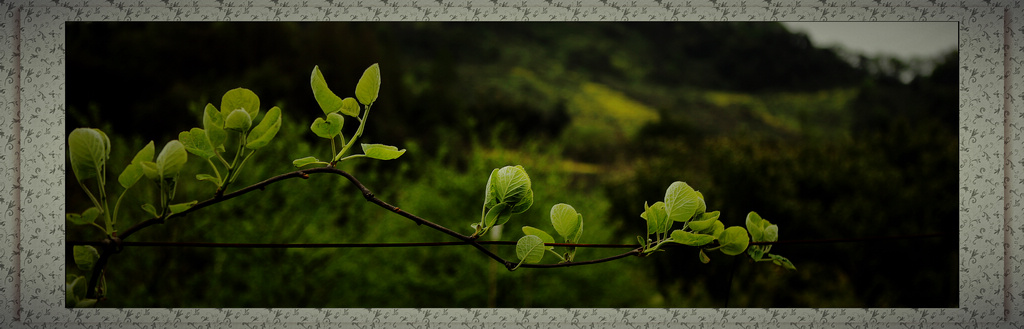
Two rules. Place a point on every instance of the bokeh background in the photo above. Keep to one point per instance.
(825, 142)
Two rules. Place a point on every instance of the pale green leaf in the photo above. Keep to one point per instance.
(512, 185)
(145, 154)
(691, 239)
(524, 203)
(782, 261)
(180, 207)
(87, 217)
(490, 191)
(149, 168)
(497, 215)
(265, 130)
(681, 202)
(131, 175)
(150, 209)
(656, 217)
(530, 249)
(305, 161)
(733, 240)
(369, 85)
(88, 150)
(704, 257)
(171, 159)
(238, 120)
(579, 233)
(85, 257)
(197, 142)
(328, 128)
(771, 233)
(350, 107)
(329, 102)
(79, 287)
(566, 220)
(213, 123)
(240, 98)
(756, 252)
(755, 227)
(382, 152)
(544, 236)
(210, 178)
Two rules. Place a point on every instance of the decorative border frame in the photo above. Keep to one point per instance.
(32, 189)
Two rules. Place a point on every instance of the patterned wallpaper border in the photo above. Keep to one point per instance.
(989, 143)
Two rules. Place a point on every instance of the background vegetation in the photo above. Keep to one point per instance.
(604, 116)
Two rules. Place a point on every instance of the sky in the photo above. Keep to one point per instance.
(901, 39)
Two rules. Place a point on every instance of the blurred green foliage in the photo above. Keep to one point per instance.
(603, 116)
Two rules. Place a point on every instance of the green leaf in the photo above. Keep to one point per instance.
(701, 206)
(771, 233)
(196, 142)
(145, 154)
(544, 236)
(733, 240)
(210, 178)
(149, 168)
(381, 151)
(180, 207)
(238, 120)
(524, 203)
(369, 85)
(150, 209)
(490, 190)
(87, 217)
(718, 228)
(691, 239)
(79, 287)
(328, 128)
(350, 107)
(265, 130)
(706, 223)
(131, 175)
(240, 98)
(69, 294)
(305, 161)
(704, 257)
(756, 252)
(755, 227)
(213, 123)
(85, 257)
(171, 159)
(681, 202)
(88, 150)
(657, 218)
(530, 249)
(782, 261)
(497, 215)
(329, 102)
(512, 185)
(566, 220)
(579, 233)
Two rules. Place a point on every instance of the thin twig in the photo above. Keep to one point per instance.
(329, 245)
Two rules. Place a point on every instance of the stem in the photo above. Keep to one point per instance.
(353, 157)
(557, 255)
(91, 197)
(215, 171)
(334, 149)
(359, 133)
(117, 205)
(239, 169)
